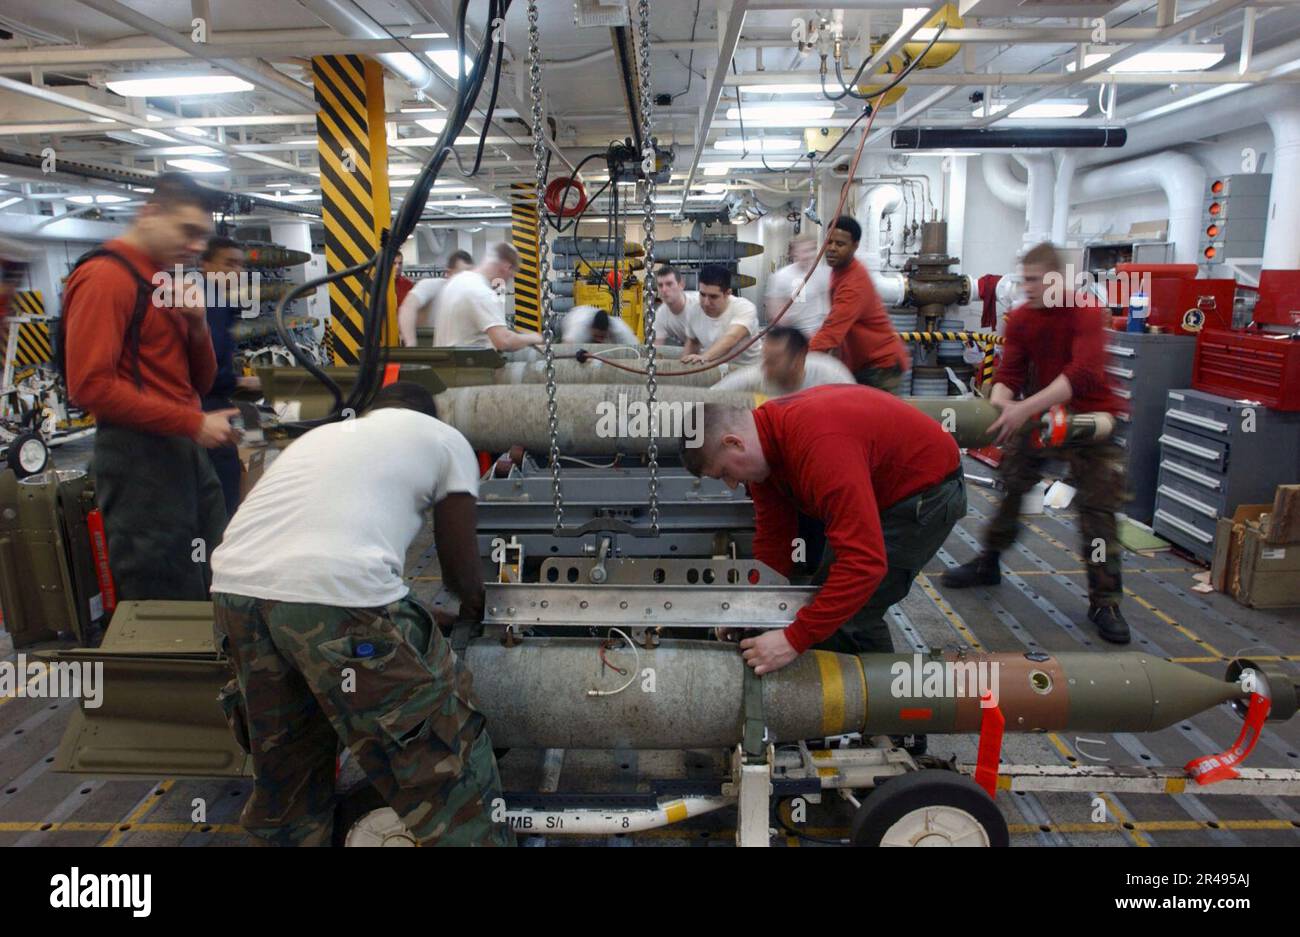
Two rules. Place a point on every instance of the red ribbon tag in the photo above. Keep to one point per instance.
(99, 551)
(992, 722)
(1209, 769)
(391, 373)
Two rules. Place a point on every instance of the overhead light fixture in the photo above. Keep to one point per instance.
(1038, 110)
(781, 115)
(446, 62)
(432, 124)
(301, 141)
(428, 36)
(11, 201)
(758, 144)
(467, 203)
(178, 86)
(809, 87)
(187, 151)
(152, 134)
(192, 131)
(302, 191)
(414, 109)
(277, 185)
(1170, 58)
(197, 165)
(303, 197)
(97, 199)
(141, 188)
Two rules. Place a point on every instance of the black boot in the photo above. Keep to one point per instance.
(981, 571)
(1110, 622)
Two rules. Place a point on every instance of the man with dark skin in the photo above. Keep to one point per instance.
(330, 647)
(857, 330)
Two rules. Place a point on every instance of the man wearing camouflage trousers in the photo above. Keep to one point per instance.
(1055, 354)
(329, 648)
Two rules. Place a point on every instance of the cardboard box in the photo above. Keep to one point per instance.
(1249, 568)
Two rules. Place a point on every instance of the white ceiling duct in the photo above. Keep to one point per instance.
(1006, 188)
(1178, 175)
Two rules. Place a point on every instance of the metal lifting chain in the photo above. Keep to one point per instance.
(543, 261)
(648, 305)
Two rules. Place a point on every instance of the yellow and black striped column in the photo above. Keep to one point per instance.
(525, 233)
(355, 205)
(34, 343)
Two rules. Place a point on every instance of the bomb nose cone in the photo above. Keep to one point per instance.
(1107, 690)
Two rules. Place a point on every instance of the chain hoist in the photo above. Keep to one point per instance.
(648, 169)
(544, 261)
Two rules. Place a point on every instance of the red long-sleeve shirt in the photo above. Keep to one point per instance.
(177, 363)
(843, 454)
(1043, 343)
(857, 328)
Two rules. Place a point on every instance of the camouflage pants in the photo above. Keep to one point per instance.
(886, 379)
(1097, 471)
(914, 530)
(382, 682)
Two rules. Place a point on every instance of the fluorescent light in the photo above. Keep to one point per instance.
(192, 131)
(152, 134)
(468, 203)
(305, 197)
(187, 151)
(300, 141)
(781, 115)
(810, 87)
(1171, 58)
(97, 199)
(141, 188)
(446, 62)
(277, 185)
(178, 86)
(303, 191)
(11, 201)
(432, 124)
(420, 110)
(197, 165)
(758, 144)
(1038, 110)
(428, 36)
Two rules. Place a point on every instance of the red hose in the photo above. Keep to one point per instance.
(557, 191)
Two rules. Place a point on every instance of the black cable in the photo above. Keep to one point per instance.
(907, 70)
(690, 69)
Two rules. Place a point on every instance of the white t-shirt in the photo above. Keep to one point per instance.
(331, 520)
(818, 369)
(577, 327)
(425, 292)
(811, 305)
(672, 325)
(707, 330)
(467, 308)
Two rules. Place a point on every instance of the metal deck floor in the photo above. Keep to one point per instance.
(1041, 605)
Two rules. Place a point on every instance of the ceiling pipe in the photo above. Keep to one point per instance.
(1282, 236)
(348, 19)
(259, 74)
(1038, 196)
(1179, 176)
(1061, 196)
(941, 138)
(728, 39)
(1006, 188)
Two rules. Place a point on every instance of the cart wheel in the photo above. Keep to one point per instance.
(931, 807)
(28, 455)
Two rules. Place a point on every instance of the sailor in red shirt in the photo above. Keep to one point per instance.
(883, 477)
(1055, 354)
(857, 330)
(139, 363)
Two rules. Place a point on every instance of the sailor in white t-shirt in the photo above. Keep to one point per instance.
(720, 323)
(788, 366)
(587, 325)
(811, 301)
(671, 314)
(419, 308)
(327, 644)
(471, 312)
